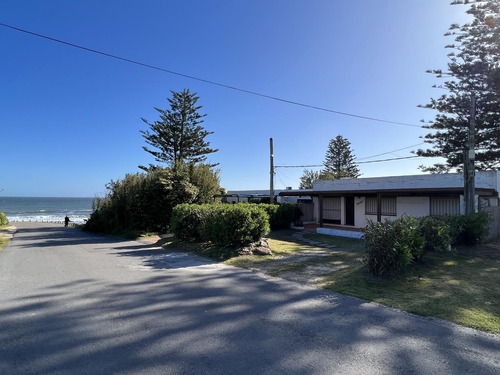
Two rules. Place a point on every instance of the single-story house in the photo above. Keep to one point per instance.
(348, 204)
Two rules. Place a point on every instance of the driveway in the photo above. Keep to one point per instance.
(77, 303)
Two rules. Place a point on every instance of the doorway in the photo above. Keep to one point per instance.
(349, 211)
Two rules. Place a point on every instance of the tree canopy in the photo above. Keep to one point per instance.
(309, 176)
(178, 136)
(340, 161)
(473, 70)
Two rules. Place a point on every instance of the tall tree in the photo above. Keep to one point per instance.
(340, 161)
(473, 70)
(309, 176)
(178, 136)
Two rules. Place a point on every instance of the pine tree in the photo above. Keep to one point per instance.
(340, 160)
(178, 136)
(474, 69)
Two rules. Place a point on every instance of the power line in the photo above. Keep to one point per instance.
(361, 162)
(381, 160)
(390, 152)
(206, 80)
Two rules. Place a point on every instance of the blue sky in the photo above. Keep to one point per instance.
(70, 119)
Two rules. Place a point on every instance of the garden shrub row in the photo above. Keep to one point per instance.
(282, 215)
(393, 245)
(221, 224)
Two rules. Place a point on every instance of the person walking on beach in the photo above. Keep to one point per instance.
(66, 221)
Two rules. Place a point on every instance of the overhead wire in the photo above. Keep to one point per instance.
(255, 93)
(390, 152)
(361, 162)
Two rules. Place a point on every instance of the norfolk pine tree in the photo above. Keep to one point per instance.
(340, 160)
(178, 140)
(178, 136)
(474, 69)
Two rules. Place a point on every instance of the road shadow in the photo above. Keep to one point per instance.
(216, 319)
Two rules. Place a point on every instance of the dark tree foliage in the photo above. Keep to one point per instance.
(473, 69)
(309, 176)
(340, 161)
(143, 202)
(178, 135)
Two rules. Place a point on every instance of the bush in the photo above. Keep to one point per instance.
(234, 224)
(409, 237)
(391, 246)
(282, 215)
(220, 224)
(436, 232)
(188, 221)
(3, 219)
(469, 229)
(143, 202)
(383, 257)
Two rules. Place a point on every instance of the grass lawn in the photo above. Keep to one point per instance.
(3, 240)
(460, 286)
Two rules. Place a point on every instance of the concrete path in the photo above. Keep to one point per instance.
(77, 303)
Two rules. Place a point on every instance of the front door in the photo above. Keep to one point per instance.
(349, 211)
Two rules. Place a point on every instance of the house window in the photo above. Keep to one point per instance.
(370, 205)
(388, 206)
(445, 206)
(331, 210)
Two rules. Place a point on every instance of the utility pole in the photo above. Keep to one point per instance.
(271, 185)
(469, 166)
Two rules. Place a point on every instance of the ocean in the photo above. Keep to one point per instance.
(46, 209)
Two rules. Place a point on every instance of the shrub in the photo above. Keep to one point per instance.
(391, 246)
(3, 219)
(233, 224)
(382, 255)
(188, 221)
(469, 229)
(282, 215)
(436, 232)
(220, 224)
(409, 237)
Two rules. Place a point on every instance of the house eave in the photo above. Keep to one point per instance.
(450, 191)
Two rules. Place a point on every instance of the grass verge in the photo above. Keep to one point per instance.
(459, 286)
(3, 239)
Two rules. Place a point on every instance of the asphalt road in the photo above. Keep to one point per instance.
(77, 303)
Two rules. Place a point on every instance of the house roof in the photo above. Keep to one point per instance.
(487, 183)
(453, 191)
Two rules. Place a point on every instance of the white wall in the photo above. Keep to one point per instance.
(410, 206)
(316, 209)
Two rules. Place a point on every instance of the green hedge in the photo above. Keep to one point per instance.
(3, 219)
(234, 224)
(220, 224)
(282, 215)
(469, 229)
(188, 221)
(391, 246)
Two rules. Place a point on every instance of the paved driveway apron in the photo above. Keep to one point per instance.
(73, 303)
